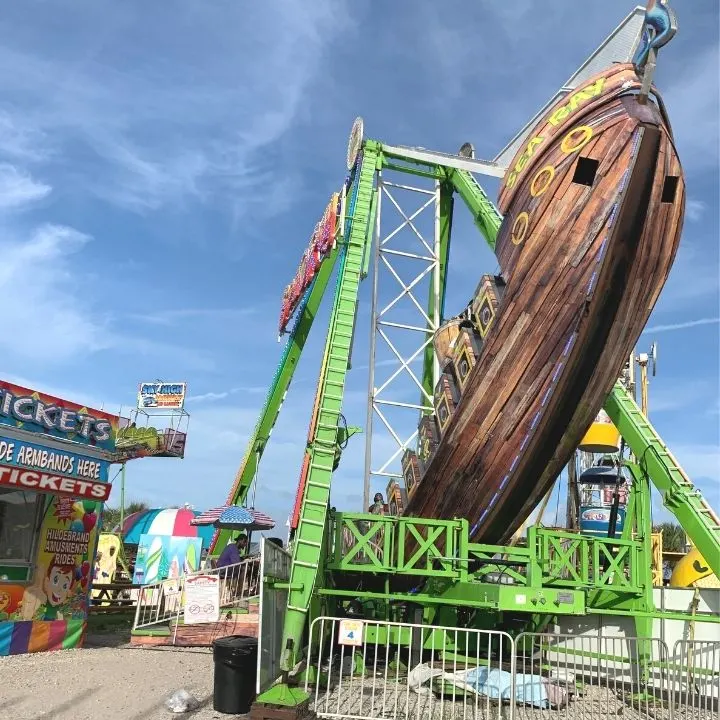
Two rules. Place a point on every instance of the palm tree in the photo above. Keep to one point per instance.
(673, 537)
(111, 516)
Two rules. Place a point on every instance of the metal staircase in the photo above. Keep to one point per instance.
(309, 537)
(679, 495)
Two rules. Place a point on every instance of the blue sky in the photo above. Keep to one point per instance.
(161, 169)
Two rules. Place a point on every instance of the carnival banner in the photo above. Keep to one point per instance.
(37, 412)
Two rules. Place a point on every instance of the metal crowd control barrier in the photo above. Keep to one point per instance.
(696, 686)
(368, 670)
(159, 603)
(373, 670)
(589, 677)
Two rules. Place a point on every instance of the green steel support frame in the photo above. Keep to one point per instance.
(310, 540)
(557, 573)
(486, 216)
(655, 462)
(446, 213)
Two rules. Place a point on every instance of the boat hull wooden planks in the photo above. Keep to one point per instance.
(590, 232)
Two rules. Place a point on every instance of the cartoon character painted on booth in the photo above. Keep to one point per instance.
(58, 593)
(5, 600)
(57, 585)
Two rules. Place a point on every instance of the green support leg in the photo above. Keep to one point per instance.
(446, 214)
(643, 529)
(310, 535)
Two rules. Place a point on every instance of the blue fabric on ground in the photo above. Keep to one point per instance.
(497, 684)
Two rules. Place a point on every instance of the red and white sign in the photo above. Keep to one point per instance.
(202, 599)
(52, 483)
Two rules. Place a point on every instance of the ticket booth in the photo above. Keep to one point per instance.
(54, 472)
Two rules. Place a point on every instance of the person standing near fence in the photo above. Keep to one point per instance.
(233, 552)
(231, 556)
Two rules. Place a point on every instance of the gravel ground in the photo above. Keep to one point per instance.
(395, 701)
(111, 680)
(98, 682)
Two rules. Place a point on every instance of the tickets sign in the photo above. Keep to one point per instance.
(37, 412)
(160, 395)
(50, 482)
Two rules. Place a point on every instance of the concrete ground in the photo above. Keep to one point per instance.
(106, 680)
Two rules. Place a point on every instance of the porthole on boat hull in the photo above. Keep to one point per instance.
(585, 171)
(669, 189)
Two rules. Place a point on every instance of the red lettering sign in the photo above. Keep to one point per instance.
(50, 483)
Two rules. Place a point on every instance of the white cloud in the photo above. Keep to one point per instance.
(18, 189)
(671, 395)
(42, 298)
(174, 317)
(191, 113)
(693, 279)
(694, 209)
(224, 394)
(681, 325)
(21, 142)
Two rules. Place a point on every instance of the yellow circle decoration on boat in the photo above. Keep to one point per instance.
(542, 180)
(519, 228)
(576, 139)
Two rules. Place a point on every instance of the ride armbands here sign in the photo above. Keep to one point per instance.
(29, 456)
(32, 411)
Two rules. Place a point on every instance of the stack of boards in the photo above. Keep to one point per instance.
(458, 344)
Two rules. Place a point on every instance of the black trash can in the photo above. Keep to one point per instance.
(235, 659)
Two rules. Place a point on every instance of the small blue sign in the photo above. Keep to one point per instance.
(596, 520)
(22, 454)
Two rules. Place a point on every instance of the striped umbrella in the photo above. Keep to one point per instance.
(209, 517)
(168, 522)
(232, 517)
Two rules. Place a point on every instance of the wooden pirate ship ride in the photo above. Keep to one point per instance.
(593, 206)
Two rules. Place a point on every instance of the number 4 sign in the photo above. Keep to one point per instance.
(351, 633)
